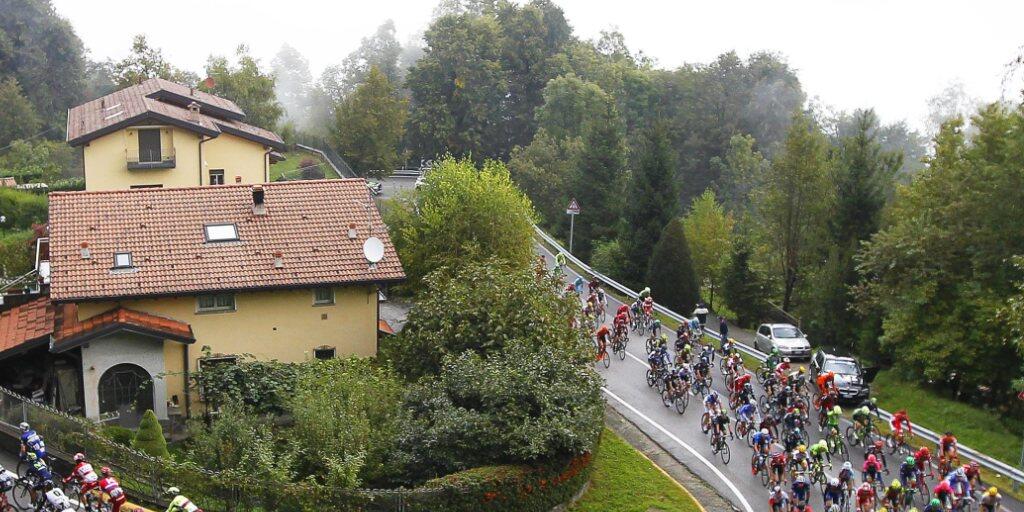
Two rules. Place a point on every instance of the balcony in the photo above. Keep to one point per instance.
(150, 159)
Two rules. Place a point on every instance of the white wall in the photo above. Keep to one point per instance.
(101, 354)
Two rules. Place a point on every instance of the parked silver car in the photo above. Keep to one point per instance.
(789, 339)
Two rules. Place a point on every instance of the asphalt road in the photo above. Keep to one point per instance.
(626, 389)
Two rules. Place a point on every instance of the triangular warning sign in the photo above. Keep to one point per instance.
(574, 207)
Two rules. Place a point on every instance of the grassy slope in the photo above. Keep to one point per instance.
(626, 481)
(973, 426)
(294, 158)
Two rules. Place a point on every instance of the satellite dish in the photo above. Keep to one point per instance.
(373, 249)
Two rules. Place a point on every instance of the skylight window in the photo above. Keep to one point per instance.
(123, 260)
(221, 232)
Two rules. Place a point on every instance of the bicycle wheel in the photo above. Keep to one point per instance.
(851, 436)
(705, 422)
(763, 404)
(650, 378)
(649, 346)
(765, 477)
(666, 398)
(22, 495)
(681, 402)
(606, 358)
(724, 452)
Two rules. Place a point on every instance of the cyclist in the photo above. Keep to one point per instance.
(645, 293)
(7, 480)
(746, 412)
(762, 440)
(656, 359)
(943, 492)
(681, 382)
(832, 494)
(620, 324)
(877, 449)
(712, 403)
(656, 329)
(947, 446)
(739, 383)
(934, 506)
(922, 457)
(773, 358)
(801, 491)
(827, 383)
(866, 498)
(871, 404)
(798, 460)
(893, 495)
(819, 453)
(602, 341)
(777, 466)
(54, 499)
(862, 418)
(872, 469)
(778, 501)
(83, 474)
(721, 424)
(180, 503)
(31, 441)
(909, 472)
(112, 488)
(990, 501)
(846, 475)
(38, 472)
(592, 287)
(973, 472)
(781, 369)
(899, 418)
(832, 420)
(601, 298)
(577, 284)
(958, 481)
(701, 368)
(560, 259)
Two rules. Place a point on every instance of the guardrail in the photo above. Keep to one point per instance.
(330, 161)
(406, 173)
(1003, 468)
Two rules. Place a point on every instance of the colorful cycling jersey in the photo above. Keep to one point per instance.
(893, 493)
(817, 450)
(623, 310)
(40, 471)
(58, 501)
(761, 439)
(683, 373)
(711, 399)
(833, 418)
(182, 504)
(865, 494)
(112, 488)
(602, 333)
(34, 442)
(845, 475)
(800, 490)
(833, 493)
(7, 480)
(947, 442)
(746, 411)
(84, 473)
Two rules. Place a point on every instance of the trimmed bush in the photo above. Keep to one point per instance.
(149, 438)
(119, 435)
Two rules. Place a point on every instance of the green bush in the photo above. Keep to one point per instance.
(117, 434)
(22, 209)
(149, 438)
(16, 252)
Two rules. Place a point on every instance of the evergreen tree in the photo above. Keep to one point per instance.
(597, 179)
(369, 124)
(651, 203)
(17, 117)
(670, 273)
(247, 85)
(742, 289)
(149, 438)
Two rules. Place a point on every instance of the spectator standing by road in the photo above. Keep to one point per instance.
(723, 329)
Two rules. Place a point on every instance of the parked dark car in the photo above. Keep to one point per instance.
(852, 380)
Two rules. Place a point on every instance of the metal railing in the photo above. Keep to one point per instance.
(340, 166)
(1015, 474)
(150, 158)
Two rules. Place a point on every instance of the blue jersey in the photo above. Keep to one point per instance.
(711, 399)
(761, 439)
(800, 490)
(746, 410)
(34, 442)
(40, 471)
(694, 324)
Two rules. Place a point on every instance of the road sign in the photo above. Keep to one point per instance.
(574, 207)
(1020, 396)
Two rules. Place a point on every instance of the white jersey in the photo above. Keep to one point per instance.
(7, 480)
(58, 500)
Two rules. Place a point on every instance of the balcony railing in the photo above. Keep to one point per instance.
(150, 159)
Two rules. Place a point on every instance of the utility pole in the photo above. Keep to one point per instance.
(573, 210)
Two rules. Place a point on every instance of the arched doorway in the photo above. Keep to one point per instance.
(125, 391)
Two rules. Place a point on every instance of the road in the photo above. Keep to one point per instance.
(626, 389)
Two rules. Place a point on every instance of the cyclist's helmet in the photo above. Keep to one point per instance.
(23, 426)
(802, 370)
(874, 400)
(834, 482)
(785, 360)
(777, 489)
(935, 502)
(822, 444)
(31, 456)
(992, 491)
(764, 431)
(79, 457)
(895, 484)
(714, 393)
(960, 473)
(872, 459)
(848, 465)
(909, 460)
(837, 410)
(865, 485)
(974, 464)
(664, 337)
(105, 471)
(172, 490)
(802, 448)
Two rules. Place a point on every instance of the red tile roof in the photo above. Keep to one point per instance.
(72, 333)
(166, 102)
(306, 221)
(27, 323)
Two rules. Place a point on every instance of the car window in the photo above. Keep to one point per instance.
(841, 367)
(763, 330)
(787, 332)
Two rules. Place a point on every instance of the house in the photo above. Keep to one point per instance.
(148, 285)
(163, 134)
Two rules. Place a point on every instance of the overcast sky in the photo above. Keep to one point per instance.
(890, 55)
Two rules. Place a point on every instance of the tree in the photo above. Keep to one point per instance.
(149, 439)
(460, 215)
(651, 203)
(709, 234)
(670, 272)
(39, 161)
(381, 51)
(457, 90)
(598, 179)
(370, 123)
(18, 118)
(742, 288)
(146, 62)
(942, 267)
(544, 170)
(293, 84)
(246, 85)
(740, 173)
(40, 50)
(569, 103)
(793, 202)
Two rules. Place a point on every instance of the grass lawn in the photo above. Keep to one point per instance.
(973, 426)
(289, 167)
(626, 481)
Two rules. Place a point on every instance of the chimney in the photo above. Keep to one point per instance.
(86, 253)
(258, 194)
(193, 111)
(278, 260)
(352, 231)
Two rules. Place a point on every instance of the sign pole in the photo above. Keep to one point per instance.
(572, 210)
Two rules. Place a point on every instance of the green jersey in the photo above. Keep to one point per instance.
(817, 450)
(833, 419)
(181, 504)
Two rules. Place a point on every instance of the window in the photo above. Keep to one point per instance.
(323, 296)
(123, 260)
(221, 232)
(216, 302)
(149, 145)
(216, 176)
(324, 352)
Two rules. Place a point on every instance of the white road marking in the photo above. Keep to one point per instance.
(732, 487)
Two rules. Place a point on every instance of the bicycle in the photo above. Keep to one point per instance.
(857, 434)
(23, 494)
(898, 444)
(619, 347)
(720, 447)
(834, 440)
(759, 466)
(680, 398)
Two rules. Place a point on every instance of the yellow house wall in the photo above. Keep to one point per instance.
(275, 324)
(237, 156)
(106, 164)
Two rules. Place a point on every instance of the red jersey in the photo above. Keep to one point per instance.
(947, 441)
(865, 494)
(84, 473)
(602, 333)
(623, 310)
(112, 488)
(740, 382)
